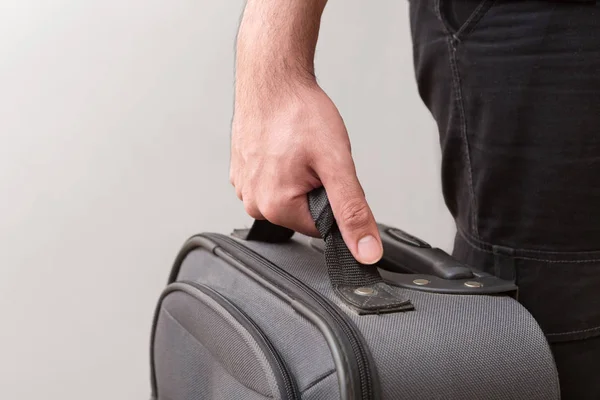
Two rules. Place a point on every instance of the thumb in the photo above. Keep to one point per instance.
(352, 213)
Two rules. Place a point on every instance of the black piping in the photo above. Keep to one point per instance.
(349, 388)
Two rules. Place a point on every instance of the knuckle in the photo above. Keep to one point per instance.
(251, 210)
(271, 213)
(239, 191)
(272, 209)
(355, 214)
(336, 167)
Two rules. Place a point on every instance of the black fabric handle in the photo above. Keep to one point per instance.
(342, 267)
(359, 286)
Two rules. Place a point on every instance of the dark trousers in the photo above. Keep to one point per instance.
(515, 89)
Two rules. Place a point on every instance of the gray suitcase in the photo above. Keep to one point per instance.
(264, 315)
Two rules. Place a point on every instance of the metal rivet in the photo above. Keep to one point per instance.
(421, 282)
(364, 291)
(473, 284)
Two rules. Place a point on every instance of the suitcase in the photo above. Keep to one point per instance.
(262, 314)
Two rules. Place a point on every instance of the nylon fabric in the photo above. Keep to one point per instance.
(450, 347)
(325, 389)
(298, 341)
(474, 349)
(186, 369)
(225, 338)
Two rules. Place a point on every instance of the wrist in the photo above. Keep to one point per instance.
(265, 81)
(270, 63)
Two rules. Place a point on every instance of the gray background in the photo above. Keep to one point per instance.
(114, 131)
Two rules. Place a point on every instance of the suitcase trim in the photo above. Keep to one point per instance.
(357, 377)
(285, 381)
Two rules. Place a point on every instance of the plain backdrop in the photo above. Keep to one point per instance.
(114, 148)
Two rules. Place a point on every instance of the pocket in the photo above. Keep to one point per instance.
(563, 294)
(204, 345)
(560, 289)
(460, 17)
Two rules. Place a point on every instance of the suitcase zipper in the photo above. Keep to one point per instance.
(289, 386)
(359, 351)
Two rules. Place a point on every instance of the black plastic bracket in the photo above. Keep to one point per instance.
(480, 284)
(450, 277)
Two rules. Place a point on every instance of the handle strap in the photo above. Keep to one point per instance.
(358, 286)
(342, 267)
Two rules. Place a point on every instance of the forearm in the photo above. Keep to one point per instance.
(288, 137)
(276, 43)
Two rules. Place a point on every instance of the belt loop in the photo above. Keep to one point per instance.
(504, 263)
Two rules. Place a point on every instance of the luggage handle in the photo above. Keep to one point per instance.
(433, 270)
(360, 287)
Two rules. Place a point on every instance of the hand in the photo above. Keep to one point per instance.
(286, 143)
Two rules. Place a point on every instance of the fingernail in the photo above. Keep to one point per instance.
(369, 250)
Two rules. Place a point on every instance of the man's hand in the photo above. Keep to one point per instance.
(288, 137)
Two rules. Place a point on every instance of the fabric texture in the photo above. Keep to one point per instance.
(187, 370)
(344, 272)
(342, 267)
(446, 345)
(450, 347)
(225, 338)
(323, 389)
(298, 341)
(514, 89)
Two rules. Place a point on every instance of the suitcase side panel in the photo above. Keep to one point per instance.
(200, 346)
(299, 342)
(450, 347)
